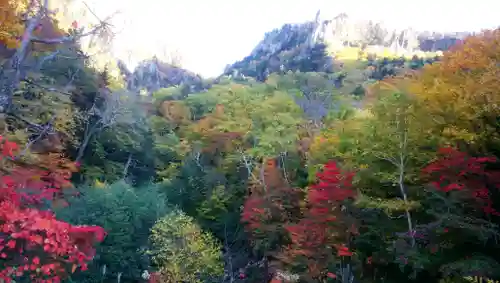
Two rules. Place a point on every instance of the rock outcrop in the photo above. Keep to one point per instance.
(282, 50)
(306, 47)
(151, 75)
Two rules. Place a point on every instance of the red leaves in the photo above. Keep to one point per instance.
(155, 277)
(456, 171)
(32, 240)
(334, 186)
(331, 275)
(369, 260)
(8, 147)
(324, 228)
(326, 197)
(307, 235)
(253, 212)
(11, 244)
(317, 235)
(342, 250)
(270, 206)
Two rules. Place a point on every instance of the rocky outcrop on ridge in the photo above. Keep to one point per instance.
(306, 47)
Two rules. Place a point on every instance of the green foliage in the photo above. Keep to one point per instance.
(216, 205)
(183, 252)
(202, 104)
(207, 144)
(127, 214)
(123, 149)
(171, 93)
(389, 206)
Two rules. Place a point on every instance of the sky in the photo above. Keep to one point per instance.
(211, 34)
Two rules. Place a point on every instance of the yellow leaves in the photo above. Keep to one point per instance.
(219, 110)
(175, 112)
(100, 185)
(475, 52)
(324, 143)
(11, 27)
(204, 126)
(461, 92)
(453, 132)
(480, 279)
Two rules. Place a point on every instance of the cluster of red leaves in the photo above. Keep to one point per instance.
(333, 188)
(254, 212)
(268, 213)
(271, 205)
(324, 227)
(457, 171)
(155, 277)
(33, 243)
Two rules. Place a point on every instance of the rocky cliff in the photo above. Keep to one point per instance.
(286, 49)
(306, 47)
(151, 75)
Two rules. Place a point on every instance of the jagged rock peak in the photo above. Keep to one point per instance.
(342, 30)
(153, 74)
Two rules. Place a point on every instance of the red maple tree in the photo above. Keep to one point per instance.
(271, 205)
(33, 243)
(466, 176)
(325, 228)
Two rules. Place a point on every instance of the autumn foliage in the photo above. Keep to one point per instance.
(461, 91)
(458, 172)
(33, 243)
(272, 204)
(324, 231)
(12, 27)
(318, 230)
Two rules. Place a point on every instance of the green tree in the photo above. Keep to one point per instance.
(127, 214)
(183, 252)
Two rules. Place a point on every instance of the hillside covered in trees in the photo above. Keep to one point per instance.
(337, 151)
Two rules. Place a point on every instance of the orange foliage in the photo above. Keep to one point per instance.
(11, 27)
(461, 92)
(175, 112)
(215, 139)
(219, 110)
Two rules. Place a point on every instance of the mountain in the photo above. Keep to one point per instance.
(308, 46)
(284, 49)
(344, 31)
(152, 74)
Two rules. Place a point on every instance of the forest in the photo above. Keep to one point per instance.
(377, 169)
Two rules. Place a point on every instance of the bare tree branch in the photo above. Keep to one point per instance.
(31, 82)
(16, 71)
(115, 109)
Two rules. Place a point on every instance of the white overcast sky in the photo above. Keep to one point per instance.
(213, 33)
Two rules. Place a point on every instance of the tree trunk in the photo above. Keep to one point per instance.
(127, 165)
(83, 146)
(11, 80)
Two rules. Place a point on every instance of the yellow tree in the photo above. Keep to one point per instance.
(462, 92)
(12, 26)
